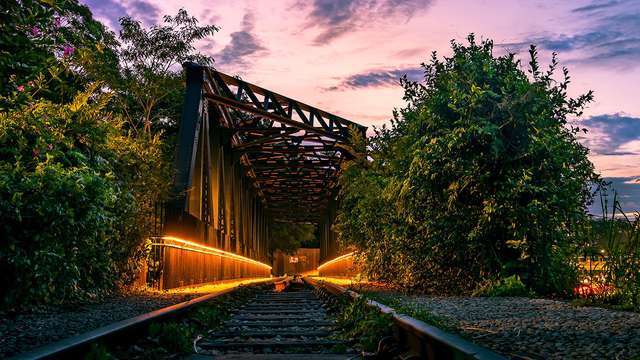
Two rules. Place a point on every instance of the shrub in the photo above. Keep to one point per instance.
(68, 200)
(509, 286)
(42, 37)
(478, 177)
(174, 337)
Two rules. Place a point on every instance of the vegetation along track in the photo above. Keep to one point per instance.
(296, 322)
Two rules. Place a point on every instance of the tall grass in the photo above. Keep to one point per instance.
(619, 233)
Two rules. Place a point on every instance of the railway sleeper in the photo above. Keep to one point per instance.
(279, 343)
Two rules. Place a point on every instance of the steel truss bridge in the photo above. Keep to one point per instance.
(247, 157)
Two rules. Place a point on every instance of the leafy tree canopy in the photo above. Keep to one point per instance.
(288, 237)
(479, 176)
(150, 83)
(41, 38)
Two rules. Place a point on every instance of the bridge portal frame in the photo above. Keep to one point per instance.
(247, 157)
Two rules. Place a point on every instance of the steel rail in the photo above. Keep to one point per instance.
(75, 347)
(424, 340)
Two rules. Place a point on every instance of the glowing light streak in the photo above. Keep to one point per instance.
(342, 257)
(176, 243)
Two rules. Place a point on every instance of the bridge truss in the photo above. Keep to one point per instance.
(248, 157)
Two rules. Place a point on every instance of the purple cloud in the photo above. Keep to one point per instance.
(244, 44)
(609, 132)
(628, 189)
(113, 10)
(337, 17)
(110, 10)
(613, 39)
(145, 11)
(596, 6)
(378, 78)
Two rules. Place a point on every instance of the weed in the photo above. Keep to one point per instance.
(414, 311)
(365, 323)
(509, 286)
(174, 337)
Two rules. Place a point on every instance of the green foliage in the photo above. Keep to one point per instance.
(174, 337)
(509, 286)
(149, 86)
(43, 38)
(69, 200)
(78, 184)
(212, 314)
(622, 272)
(99, 352)
(367, 324)
(411, 309)
(478, 177)
(288, 237)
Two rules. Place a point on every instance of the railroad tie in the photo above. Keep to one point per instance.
(277, 325)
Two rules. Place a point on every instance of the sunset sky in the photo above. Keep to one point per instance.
(345, 56)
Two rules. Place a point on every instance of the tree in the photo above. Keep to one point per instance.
(479, 176)
(288, 237)
(40, 39)
(150, 86)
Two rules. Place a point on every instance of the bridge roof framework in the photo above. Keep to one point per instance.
(291, 151)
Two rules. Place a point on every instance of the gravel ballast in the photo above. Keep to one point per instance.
(20, 332)
(535, 328)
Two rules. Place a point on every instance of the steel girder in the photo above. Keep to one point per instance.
(247, 157)
(290, 151)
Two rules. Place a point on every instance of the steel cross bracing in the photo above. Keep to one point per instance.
(290, 150)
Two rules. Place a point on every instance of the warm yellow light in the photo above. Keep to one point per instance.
(176, 243)
(342, 257)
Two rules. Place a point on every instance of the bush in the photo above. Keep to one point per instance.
(43, 37)
(174, 337)
(479, 177)
(69, 206)
(509, 286)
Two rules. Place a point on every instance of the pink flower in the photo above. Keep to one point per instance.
(35, 152)
(57, 22)
(30, 83)
(20, 88)
(49, 147)
(35, 31)
(68, 50)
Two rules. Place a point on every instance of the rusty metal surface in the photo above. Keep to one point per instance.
(182, 267)
(424, 340)
(342, 266)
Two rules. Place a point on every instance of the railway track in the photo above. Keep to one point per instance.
(263, 322)
(292, 324)
(254, 321)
